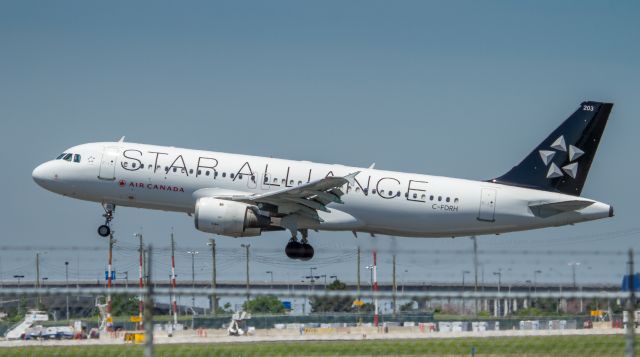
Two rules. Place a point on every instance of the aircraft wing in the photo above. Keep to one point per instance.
(304, 200)
(546, 209)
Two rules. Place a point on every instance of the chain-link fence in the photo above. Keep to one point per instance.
(167, 320)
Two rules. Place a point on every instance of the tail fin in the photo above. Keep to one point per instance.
(562, 161)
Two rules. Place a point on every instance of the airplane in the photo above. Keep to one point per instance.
(242, 196)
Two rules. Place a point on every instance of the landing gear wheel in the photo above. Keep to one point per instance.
(293, 249)
(307, 252)
(104, 230)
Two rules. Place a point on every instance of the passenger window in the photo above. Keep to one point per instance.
(206, 173)
(373, 191)
(423, 197)
(76, 158)
(191, 171)
(299, 183)
(448, 199)
(150, 166)
(415, 195)
(275, 180)
(357, 189)
(431, 198)
(239, 176)
(455, 200)
(215, 174)
(175, 169)
(199, 172)
(133, 165)
(67, 157)
(253, 178)
(291, 182)
(224, 174)
(406, 195)
(60, 156)
(398, 195)
(284, 181)
(439, 198)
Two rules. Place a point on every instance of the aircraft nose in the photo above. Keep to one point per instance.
(42, 174)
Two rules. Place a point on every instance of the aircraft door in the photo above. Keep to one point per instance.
(487, 210)
(108, 164)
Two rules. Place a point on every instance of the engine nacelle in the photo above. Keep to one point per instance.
(229, 218)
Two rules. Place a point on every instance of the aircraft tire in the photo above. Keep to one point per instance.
(104, 230)
(293, 249)
(307, 252)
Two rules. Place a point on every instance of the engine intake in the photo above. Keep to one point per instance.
(229, 218)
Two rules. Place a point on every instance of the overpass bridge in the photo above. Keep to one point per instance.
(318, 285)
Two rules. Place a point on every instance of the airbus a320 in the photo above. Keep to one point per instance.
(242, 196)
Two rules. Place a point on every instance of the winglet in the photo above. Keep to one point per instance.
(352, 177)
(372, 165)
(121, 140)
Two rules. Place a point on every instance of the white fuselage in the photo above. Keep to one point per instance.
(384, 202)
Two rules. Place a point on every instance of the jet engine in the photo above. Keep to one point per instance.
(229, 218)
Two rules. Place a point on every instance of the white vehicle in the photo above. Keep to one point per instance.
(239, 195)
(19, 330)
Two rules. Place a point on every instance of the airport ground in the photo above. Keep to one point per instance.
(541, 345)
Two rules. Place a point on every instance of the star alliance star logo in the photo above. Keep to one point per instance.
(570, 169)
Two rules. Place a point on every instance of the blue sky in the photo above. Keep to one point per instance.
(455, 88)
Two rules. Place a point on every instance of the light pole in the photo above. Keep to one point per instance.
(246, 247)
(334, 277)
(370, 268)
(573, 266)
(19, 277)
(325, 280)
(193, 277)
(66, 276)
(499, 274)
(270, 272)
(312, 277)
(404, 279)
(214, 296)
(464, 273)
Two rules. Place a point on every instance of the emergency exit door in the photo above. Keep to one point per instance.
(487, 210)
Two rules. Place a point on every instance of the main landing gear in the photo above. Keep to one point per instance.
(299, 250)
(105, 229)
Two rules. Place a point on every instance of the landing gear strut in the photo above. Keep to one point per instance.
(299, 250)
(105, 229)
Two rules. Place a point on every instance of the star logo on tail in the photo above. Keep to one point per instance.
(560, 145)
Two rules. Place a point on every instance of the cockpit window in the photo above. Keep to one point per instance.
(60, 156)
(76, 158)
(67, 157)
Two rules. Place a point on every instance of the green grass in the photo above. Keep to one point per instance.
(503, 346)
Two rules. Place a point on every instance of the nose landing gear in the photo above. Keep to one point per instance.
(301, 250)
(105, 229)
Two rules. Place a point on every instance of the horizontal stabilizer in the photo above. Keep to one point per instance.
(545, 209)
